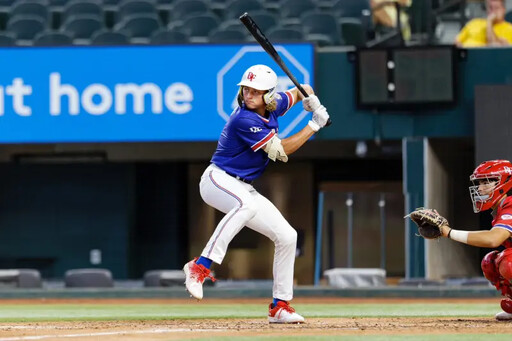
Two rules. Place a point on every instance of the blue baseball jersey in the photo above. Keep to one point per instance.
(239, 150)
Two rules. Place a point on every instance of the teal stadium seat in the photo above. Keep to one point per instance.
(199, 26)
(135, 7)
(235, 8)
(227, 36)
(82, 26)
(352, 8)
(164, 36)
(33, 8)
(265, 20)
(81, 7)
(139, 26)
(7, 39)
(25, 27)
(291, 10)
(107, 37)
(322, 28)
(52, 38)
(508, 16)
(352, 32)
(182, 9)
(285, 35)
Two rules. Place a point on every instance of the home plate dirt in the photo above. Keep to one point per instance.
(207, 328)
(176, 330)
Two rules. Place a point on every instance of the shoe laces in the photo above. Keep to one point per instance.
(286, 307)
(201, 273)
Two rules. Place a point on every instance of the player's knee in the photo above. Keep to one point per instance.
(288, 238)
(249, 209)
(489, 267)
(504, 263)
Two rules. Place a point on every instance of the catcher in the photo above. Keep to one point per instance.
(492, 181)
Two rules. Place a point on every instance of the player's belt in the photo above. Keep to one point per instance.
(240, 178)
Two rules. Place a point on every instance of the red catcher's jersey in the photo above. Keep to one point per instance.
(503, 219)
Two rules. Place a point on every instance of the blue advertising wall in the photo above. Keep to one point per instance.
(118, 94)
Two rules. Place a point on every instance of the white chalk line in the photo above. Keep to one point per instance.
(128, 332)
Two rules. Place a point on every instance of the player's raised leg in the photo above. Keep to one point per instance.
(232, 197)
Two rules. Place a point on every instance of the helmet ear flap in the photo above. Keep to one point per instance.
(268, 97)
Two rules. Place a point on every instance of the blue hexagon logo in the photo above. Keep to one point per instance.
(298, 58)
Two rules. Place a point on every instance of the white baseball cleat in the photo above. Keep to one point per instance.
(283, 313)
(503, 316)
(195, 274)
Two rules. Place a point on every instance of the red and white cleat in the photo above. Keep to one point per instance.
(195, 275)
(283, 313)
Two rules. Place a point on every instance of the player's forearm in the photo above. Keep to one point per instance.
(487, 239)
(294, 142)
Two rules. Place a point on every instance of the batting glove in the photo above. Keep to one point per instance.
(311, 103)
(319, 119)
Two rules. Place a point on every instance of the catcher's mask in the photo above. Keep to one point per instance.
(491, 180)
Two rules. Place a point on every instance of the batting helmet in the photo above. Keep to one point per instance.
(491, 180)
(260, 77)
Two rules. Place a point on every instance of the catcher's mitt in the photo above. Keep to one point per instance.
(429, 222)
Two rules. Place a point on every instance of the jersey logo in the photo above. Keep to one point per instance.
(506, 217)
(255, 129)
(277, 96)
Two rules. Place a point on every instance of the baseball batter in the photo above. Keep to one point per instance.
(492, 183)
(247, 143)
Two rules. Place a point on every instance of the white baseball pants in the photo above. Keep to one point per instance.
(244, 206)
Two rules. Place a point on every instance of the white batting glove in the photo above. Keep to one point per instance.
(310, 103)
(319, 119)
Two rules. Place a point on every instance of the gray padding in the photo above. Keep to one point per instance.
(88, 278)
(20, 278)
(164, 278)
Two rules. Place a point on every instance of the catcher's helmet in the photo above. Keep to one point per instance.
(260, 77)
(497, 176)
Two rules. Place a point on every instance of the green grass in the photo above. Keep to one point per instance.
(98, 312)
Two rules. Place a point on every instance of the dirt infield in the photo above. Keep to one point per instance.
(200, 328)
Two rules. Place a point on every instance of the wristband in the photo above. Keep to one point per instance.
(459, 236)
(313, 126)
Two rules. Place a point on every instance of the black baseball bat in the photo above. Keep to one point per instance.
(251, 25)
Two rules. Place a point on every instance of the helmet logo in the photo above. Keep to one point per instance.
(251, 76)
(507, 170)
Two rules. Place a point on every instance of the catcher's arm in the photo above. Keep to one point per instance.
(488, 239)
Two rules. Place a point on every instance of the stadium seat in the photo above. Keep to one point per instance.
(165, 36)
(280, 34)
(6, 3)
(293, 9)
(265, 20)
(7, 39)
(25, 27)
(317, 24)
(52, 38)
(81, 7)
(235, 8)
(352, 31)
(57, 4)
(164, 4)
(32, 8)
(139, 26)
(134, 7)
(88, 278)
(198, 27)
(182, 9)
(82, 26)
(105, 37)
(227, 36)
(352, 8)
